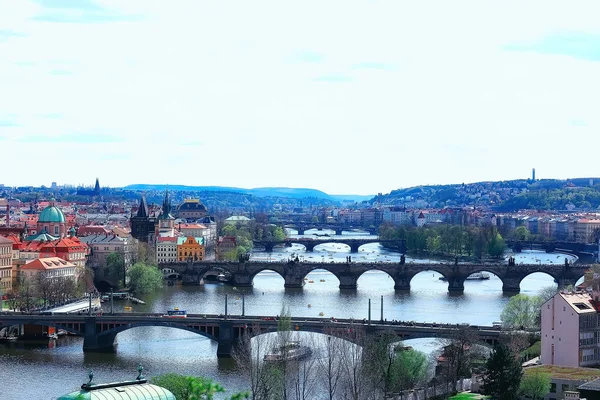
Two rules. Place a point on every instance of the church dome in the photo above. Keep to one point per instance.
(52, 214)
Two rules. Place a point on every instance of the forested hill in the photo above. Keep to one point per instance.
(546, 194)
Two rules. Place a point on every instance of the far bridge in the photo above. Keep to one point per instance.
(99, 332)
(337, 227)
(310, 243)
(294, 272)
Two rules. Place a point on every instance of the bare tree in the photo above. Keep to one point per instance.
(355, 380)
(460, 351)
(248, 355)
(331, 365)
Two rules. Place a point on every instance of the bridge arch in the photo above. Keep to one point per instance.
(365, 275)
(306, 278)
(200, 330)
(536, 280)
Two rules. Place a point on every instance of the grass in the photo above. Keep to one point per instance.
(577, 374)
(467, 396)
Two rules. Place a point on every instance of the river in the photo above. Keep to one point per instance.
(41, 371)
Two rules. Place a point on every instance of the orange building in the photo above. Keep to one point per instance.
(190, 248)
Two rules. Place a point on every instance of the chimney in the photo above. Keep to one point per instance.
(8, 215)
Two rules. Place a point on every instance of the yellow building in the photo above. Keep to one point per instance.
(190, 248)
(6, 275)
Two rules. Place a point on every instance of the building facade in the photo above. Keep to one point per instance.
(6, 269)
(190, 248)
(570, 330)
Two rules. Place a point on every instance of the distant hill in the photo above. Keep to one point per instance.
(297, 193)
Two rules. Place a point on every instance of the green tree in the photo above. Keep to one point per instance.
(410, 369)
(192, 388)
(497, 246)
(536, 385)
(522, 311)
(144, 278)
(114, 271)
(503, 375)
(521, 233)
(278, 234)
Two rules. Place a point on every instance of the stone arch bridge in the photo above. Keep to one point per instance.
(293, 273)
(310, 244)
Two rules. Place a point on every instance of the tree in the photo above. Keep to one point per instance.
(503, 375)
(411, 368)
(192, 388)
(536, 384)
(114, 271)
(497, 246)
(460, 353)
(144, 278)
(521, 312)
(521, 233)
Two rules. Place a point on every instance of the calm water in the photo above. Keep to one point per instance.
(43, 372)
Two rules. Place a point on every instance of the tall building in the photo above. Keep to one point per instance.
(533, 174)
(142, 224)
(571, 330)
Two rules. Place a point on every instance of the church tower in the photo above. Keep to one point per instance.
(142, 224)
(166, 221)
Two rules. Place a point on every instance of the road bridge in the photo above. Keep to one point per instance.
(243, 273)
(99, 332)
(310, 243)
(551, 246)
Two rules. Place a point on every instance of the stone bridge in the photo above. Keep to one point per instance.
(301, 227)
(564, 246)
(99, 332)
(294, 273)
(310, 244)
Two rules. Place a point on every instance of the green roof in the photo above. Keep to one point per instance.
(131, 390)
(182, 239)
(52, 214)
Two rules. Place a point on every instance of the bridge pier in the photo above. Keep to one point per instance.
(402, 284)
(300, 231)
(309, 246)
(354, 247)
(347, 281)
(225, 339)
(269, 248)
(293, 283)
(97, 342)
(338, 231)
(456, 285)
(511, 285)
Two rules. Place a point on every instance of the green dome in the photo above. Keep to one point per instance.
(52, 214)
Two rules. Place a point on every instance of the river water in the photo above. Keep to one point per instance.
(43, 371)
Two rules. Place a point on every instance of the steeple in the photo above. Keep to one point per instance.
(166, 206)
(97, 187)
(142, 211)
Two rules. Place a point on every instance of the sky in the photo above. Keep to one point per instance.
(348, 97)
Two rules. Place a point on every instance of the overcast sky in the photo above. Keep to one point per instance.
(341, 96)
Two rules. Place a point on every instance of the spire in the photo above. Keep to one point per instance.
(166, 207)
(97, 187)
(143, 208)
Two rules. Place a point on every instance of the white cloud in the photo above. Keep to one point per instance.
(340, 96)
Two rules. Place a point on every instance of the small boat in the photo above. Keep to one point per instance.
(291, 350)
(321, 314)
(311, 281)
(53, 336)
(8, 338)
(310, 305)
(477, 276)
(322, 280)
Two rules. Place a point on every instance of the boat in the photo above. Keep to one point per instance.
(290, 351)
(53, 336)
(8, 338)
(477, 276)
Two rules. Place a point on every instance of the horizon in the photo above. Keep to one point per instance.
(296, 188)
(267, 94)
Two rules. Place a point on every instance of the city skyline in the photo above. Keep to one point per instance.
(343, 97)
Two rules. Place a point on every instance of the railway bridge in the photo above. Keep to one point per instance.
(99, 332)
